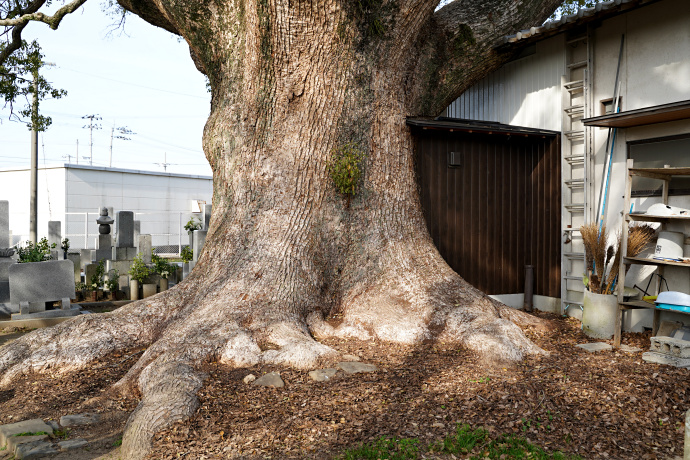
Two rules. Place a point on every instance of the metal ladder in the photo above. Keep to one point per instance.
(576, 164)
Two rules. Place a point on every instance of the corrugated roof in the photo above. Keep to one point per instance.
(476, 126)
(601, 11)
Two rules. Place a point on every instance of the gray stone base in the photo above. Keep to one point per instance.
(660, 358)
(594, 347)
(47, 314)
(124, 253)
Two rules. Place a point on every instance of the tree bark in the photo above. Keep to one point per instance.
(292, 81)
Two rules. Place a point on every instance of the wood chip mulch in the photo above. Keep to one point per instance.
(604, 405)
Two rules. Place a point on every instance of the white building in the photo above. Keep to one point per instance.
(566, 72)
(73, 195)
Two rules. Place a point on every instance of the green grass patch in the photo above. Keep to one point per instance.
(475, 444)
(117, 442)
(31, 433)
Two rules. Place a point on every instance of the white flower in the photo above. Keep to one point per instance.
(94, 285)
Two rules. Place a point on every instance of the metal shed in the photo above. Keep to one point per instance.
(491, 199)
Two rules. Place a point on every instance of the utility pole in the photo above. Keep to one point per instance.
(165, 163)
(123, 133)
(91, 127)
(33, 201)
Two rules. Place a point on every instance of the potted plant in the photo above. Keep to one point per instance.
(96, 281)
(602, 264)
(163, 268)
(80, 290)
(35, 252)
(113, 283)
(192, 225)
(139, 273)
(187, 254)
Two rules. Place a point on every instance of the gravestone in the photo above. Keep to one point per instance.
(33, 284)
(4, 224)
(5, 258)
(55, 237)
(124, 223)
(105, 241)
(145, 248)
(207, 216)
(137, 234)
(199, 240)
(86, 257)
(76, 260)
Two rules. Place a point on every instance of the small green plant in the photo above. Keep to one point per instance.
(79, 286)
(65, 245)
(113, 283)
(96, 280)
(345, 168)
(389, 448)
(35, 252)
(139, 270)
(31, 433)
(61, 434)
(161, 266)
(192, 224)
(117, 442)
(186, 254)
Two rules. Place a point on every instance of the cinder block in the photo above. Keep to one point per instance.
(670, 346)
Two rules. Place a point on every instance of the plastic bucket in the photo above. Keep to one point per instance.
(669, 245)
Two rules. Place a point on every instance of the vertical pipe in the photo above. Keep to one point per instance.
(529, 287)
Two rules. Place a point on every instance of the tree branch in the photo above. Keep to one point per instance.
(457, 48)
(52, 21)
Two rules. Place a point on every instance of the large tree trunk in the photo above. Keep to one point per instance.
(286, 253)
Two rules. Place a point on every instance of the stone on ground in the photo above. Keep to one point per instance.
(27, 426)
(14, 441)
(36, 449)
(322, 375)
(72, 444)
(669, 360)
(79, 419)
(629, 349)
(593, 347)
(356, 367)
(350, 358)
(272, 379)
(249, 378)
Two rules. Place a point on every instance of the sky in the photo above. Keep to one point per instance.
(142, 79)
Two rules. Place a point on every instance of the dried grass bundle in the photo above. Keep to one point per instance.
(639, 237)
(595, 242)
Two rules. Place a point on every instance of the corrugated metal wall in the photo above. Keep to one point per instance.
(525, 92)
(496, 213)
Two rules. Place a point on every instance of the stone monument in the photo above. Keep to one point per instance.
(55, 237)
(5, 258)
(104, 250)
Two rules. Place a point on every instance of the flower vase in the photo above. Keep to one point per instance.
(164, 284)
(134, 290)
(599, 315)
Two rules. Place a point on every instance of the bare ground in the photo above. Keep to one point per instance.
(607, 405)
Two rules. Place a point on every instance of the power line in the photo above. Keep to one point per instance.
(134, 84)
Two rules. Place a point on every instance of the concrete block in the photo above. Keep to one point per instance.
(199, 240)
(145, 248)
(661, 358)
(4, 224)
(76, 260)
(355, 367)
(670, 346)
(72, 444)
(76, 311)
(27, 426)
(41, 281)
(124, 227)
(79, 419)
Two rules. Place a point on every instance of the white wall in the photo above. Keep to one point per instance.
(157, 199)
(15, 187)
(525, 92)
